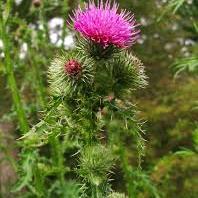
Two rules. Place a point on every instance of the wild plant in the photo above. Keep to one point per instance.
(90, 129)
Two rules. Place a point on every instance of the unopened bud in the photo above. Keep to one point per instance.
(36, 3)
(72, 68)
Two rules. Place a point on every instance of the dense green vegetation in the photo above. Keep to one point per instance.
(34, 162)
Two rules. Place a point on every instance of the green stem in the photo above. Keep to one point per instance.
(95, 191)
(39, 181)
(24, 127)
(58, 160)
(40, 89)
(127, 171)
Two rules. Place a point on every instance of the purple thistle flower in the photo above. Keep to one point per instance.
(103, 24)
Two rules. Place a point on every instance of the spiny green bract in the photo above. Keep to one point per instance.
(127, 73)
(95, 164)
(96, 51)
(120, 74)
(62, 84)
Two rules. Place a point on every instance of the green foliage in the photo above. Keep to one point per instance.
(189, 65)
(173, 6)
(96, 51)
(117, 195)
(82, 107)
(77, 124)
(4, 20)
(89, 132)
(180, 159)
(175, 169)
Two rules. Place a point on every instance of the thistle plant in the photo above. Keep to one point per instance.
(91, 118)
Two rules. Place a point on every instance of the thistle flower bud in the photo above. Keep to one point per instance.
(95, 164)
(36, 3)
(73, 68)
(127, 73)
(70, 73)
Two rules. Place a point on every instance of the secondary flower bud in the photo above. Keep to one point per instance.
(36, 3)
(72, 68)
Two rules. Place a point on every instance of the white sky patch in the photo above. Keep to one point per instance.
(156, 35)
(189, 1)
(18, 2)
(189, 42)
(69, 41)
(175, 27)
(55, 23)
(53, 37)
(2, 55)
(40, 26)
(168, 46)
(23, 51)
(1, 44)
(144, 21)
(180, 41)
(55, 26)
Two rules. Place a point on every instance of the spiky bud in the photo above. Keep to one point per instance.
(127, 73)
(73, 68)
(70, 73)
(95, 164)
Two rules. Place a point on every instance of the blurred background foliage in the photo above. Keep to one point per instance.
(33, 31)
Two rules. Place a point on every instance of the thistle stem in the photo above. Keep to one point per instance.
(126, 169)
(95, 191)
(24, 127)
(58, 160)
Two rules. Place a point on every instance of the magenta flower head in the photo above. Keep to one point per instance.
(102, 23)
